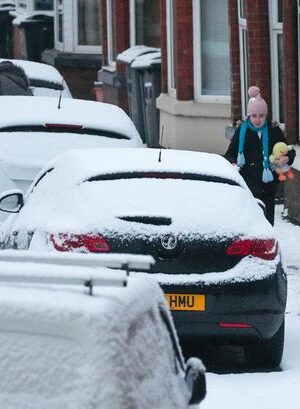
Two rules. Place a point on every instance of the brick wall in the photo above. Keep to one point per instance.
(290, 70)
(183, 32)
(257, 15)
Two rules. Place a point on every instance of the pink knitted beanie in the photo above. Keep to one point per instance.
(256, 104)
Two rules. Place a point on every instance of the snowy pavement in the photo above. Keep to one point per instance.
(273, 390)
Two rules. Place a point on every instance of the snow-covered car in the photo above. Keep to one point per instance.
(44, 80)
(75, 334)
(33, 133)
(217, 257)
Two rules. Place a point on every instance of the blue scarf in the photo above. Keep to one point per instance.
(267, 175)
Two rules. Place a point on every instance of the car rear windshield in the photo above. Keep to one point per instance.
(64, 128)
(162, 175)
(33, 82)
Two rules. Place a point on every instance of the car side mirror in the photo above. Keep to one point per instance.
(261, 205)
(195, 379)
(11, 201)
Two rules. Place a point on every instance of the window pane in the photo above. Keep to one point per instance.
(242, 9)
(88, 22)
(279, 11)
(60, 20)
(147, 22)
(43, 4)
(215, 48)
(245, 84)
(112, 35)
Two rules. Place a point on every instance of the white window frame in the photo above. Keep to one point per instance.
(91, 49)
(244, 79)
(58, 44)
(198, 96)
(276, 29)
(132, 25)
(170, 48)
(70, 30)
(111, 62)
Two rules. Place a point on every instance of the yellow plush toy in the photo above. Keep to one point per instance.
(281, 149)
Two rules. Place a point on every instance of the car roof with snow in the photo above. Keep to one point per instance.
(82, 351)
(76, 112)
(148, 160)
(199, 191)
(42, 75)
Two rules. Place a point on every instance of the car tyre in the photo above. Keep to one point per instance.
(266, 353)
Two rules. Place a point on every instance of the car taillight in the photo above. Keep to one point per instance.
(93, 243)
(265, 249)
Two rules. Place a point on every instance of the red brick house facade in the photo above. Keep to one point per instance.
(211, 53)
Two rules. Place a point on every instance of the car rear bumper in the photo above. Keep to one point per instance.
(234, 311)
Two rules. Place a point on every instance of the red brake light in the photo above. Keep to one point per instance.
(265, 249)
(93, 243)
(63, 126)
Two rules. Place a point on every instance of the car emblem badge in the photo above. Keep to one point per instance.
(169, 241)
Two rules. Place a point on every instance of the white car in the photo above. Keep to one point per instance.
(76, 334)
(44, 80)
(33, 131)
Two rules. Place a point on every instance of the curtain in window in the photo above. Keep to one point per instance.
(215, 47)
(88, 22)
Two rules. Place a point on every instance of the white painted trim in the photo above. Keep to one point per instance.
(242, 27)
(58, 44)
(170, 48)
(132, 27)
(275, 30)
(197, 50)
(109, 11)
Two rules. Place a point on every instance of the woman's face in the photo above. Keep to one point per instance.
(258, 120)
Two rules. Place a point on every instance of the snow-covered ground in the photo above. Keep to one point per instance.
(273, 390)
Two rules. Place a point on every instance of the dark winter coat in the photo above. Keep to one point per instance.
(13, 80)
(253, 152)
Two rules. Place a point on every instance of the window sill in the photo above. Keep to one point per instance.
(210, 108)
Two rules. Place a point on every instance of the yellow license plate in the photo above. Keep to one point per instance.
(186, 302)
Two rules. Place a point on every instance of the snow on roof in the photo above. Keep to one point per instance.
(38, 70)
(44, 110)
(60, 201)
